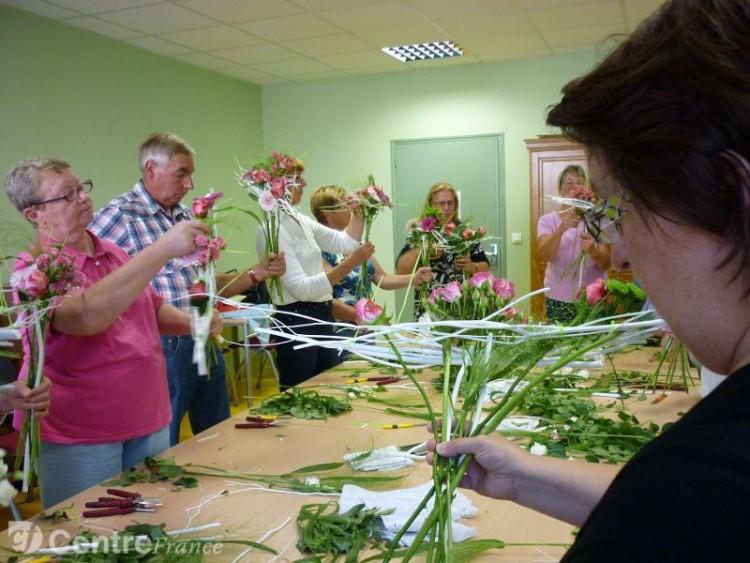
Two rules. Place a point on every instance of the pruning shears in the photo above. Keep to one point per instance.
(380, 379)
(263, 421)
(123, 502)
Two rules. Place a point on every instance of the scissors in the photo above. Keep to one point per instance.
(123, 502)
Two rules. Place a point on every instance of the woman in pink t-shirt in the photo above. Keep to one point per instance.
(573, 259)
(109, 405)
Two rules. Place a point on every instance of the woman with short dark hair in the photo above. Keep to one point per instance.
(665, 119)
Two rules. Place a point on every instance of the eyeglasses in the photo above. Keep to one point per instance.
(603, 220)
(85, 187)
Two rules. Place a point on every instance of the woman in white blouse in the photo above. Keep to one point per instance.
(308, 288)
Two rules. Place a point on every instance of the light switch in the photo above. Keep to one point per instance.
(516, 238)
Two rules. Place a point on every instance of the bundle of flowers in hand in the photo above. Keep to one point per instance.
(462, 239)
(270, 183)
(426, 235)
(203, 291)
(368, 202)
(464, 396)
(39, 282)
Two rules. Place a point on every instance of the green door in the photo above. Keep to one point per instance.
(474, 165)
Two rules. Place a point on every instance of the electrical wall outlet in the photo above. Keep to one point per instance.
(516, 238)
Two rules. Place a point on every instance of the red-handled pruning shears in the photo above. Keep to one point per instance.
(124, 502)
(379, 379)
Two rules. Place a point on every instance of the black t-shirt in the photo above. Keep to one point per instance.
(686, 495)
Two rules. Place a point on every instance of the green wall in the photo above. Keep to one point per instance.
(343, 128)
(91, 101)
(74, 94)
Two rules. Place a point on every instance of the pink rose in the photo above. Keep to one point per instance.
(596, 291)
(267, 201)
(32, 281)
(449, 228)
(257, 176)
(451, 292)
(212, 197)
(467, 234)
(482, 231)
(201, 240)
(504, 289)
(427, 224)
(479, 278)
(367, 311)
(278, 187)
(435, 294)
(200, 208)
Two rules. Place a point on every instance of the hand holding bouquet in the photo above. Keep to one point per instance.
(270, 183)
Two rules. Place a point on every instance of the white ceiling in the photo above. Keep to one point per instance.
(279, 41)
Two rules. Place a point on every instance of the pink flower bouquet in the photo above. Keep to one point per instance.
(270, 183)
(39, 282)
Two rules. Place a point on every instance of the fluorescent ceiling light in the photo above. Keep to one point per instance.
(424, 51)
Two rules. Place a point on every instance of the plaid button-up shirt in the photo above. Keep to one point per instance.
(135, 220)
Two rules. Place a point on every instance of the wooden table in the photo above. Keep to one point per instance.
(250, 512)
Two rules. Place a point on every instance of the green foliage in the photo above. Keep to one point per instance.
(576, 427)
(303, 403)
(155, 470)
(324, 532)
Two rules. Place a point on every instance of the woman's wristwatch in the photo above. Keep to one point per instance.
(253, 277)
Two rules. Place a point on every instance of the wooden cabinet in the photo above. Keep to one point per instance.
(548, 156)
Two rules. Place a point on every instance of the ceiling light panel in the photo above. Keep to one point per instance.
(424, 51)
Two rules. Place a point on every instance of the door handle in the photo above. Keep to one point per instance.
(492, 253)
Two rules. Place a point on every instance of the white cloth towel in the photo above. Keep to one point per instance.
(388, 458)
(403, 503)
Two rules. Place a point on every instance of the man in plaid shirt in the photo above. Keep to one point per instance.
(137, 219)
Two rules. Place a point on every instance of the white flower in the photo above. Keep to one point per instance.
(7, 492)
(538, 449)
(267, 201)
(352, 395)
(312, 481)
(584, 373)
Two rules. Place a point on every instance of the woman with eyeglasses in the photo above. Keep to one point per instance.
(573, 258)
(665, 119)
(109, 405)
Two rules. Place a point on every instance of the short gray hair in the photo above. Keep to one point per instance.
(24, 180)
(161, 147)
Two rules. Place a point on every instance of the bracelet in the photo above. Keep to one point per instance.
(253, 277)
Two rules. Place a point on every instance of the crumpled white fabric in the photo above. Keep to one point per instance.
(388, 458)
(501, 386)
(519, 423)
(404, 502)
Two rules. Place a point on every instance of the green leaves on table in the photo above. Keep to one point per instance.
(575, 427)
(302, 403)
(155, 470)
(324, 532)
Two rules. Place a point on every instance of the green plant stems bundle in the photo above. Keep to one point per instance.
(679, 359)
(487, 426)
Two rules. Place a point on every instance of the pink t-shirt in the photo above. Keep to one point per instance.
(111, 386)
(562, 275)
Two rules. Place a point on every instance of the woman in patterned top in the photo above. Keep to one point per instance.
(446, 266)
(329, 208)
